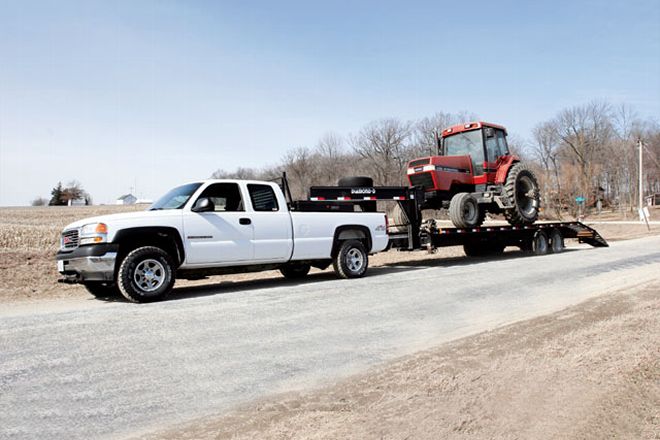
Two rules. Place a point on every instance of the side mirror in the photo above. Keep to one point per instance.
(203, 204)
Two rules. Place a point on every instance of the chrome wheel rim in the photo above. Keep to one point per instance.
(149, 275)
(354, 260)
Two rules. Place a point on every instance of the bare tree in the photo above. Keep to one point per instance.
(546, 150)
(238, 173)
(585, 131)
(385, 148)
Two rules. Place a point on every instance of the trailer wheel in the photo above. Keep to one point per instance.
(146, 274)
(295, 271)
(464, 211)
(540, 244)
(556, 241)
(352, 259)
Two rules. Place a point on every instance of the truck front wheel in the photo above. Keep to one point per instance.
(352, 259)
(146, 274)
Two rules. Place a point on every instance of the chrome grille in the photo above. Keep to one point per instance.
(70, 239)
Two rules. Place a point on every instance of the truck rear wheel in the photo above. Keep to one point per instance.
(522, 190)
(146, 274)
(295, 271)
(464, 211)
(352, 259)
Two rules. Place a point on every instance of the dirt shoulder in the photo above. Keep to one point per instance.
(591, 371)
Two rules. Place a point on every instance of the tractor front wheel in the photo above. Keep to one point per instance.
(522, 189)
(465, 212)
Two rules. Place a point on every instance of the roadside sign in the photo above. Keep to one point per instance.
(580, 200)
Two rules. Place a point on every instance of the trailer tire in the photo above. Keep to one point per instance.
(100, 289)
(465, 212)
(556, 241)
(146, 274)
(351, 260)
(356, 181)
(540, 245)
(295, 271)
(522, 190)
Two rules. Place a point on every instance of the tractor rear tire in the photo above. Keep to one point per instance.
(465, 212)
(522, 189)
(361, 181)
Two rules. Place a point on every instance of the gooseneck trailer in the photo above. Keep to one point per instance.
(411, 232)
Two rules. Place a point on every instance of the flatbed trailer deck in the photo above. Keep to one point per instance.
(415, 233)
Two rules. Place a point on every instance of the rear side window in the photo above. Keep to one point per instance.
(263, 198)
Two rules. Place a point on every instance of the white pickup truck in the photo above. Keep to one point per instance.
(214, 227)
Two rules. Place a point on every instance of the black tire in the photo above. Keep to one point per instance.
(361, 181)
(465, 212)
(146, 274)
(351, 260)
(556, 241)
(540, 243)
(522, 190)
(100, 289)
(295, 271)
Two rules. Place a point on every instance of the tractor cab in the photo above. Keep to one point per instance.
(468, 155)
(484, 143)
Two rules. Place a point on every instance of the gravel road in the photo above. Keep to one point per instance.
(89, 369)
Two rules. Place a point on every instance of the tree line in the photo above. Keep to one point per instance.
(588, 150)
(61, 195)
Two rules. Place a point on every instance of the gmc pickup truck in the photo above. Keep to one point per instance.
(214, 227)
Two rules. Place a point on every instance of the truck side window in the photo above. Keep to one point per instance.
(263, 198)
(225, 196)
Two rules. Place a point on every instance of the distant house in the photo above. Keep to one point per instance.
(126, 199)
(76, 202)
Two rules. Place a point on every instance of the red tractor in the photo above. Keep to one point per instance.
(475, 173)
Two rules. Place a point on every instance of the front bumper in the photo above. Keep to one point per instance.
(88, 263)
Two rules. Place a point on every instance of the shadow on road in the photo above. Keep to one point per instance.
(424, 261)
(226, 287)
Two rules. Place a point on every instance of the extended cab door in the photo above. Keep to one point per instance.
(222, 236)
(273, 232)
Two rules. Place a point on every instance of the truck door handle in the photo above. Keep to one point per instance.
(245, 221)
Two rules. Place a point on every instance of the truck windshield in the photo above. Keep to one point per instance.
(463, 144)
(176, 198)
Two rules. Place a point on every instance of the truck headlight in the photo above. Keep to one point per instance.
(94, 233)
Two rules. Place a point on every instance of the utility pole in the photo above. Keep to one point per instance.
(642, 214)
(641, 196)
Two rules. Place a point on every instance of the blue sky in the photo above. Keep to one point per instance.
(162, 92)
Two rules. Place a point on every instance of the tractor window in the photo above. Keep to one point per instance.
(501, 140)
(464, 144)
(496, 145)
